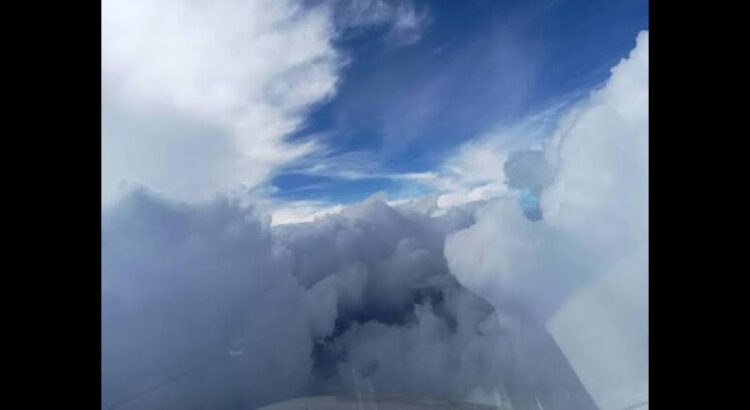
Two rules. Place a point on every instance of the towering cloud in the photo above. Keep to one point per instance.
(583, 268)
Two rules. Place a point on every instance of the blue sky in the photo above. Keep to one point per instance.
(312, 104)
(476, 64)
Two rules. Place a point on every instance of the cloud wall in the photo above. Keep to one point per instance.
(591, 246)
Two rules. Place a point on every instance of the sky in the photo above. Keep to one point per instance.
(308, 106)
(433, 199)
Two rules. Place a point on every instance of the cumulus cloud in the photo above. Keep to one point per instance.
(198, 96)
(592, 240)
(208, 305)
(199, 308)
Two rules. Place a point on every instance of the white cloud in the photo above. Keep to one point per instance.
(405, 19)
(474, 172)
(186, 287)
(597, 203)
(198, 95)
(302, 211)
(591, 248)
(182, 286)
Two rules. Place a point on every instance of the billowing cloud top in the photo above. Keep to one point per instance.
(212, 306)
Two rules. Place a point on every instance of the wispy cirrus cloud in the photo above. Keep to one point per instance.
(404, 20)
(472, 172)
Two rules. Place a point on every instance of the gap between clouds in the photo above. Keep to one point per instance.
(197, 97)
